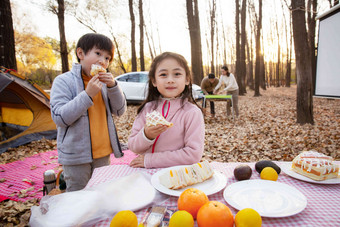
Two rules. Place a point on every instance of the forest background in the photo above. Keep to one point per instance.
(263, 42)
(268, 44)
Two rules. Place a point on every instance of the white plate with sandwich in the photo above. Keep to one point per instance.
(174, 180)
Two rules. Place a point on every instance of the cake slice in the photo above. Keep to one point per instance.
(315, 165)
(186, 176)
(155, 118)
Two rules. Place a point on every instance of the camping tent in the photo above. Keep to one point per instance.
(24, 111)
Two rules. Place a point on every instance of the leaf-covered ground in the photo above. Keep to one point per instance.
(265, 129)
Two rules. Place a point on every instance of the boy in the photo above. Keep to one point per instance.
(82, 106)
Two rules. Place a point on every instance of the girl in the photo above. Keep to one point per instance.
(170, 94)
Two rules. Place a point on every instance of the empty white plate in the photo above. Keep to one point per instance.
(268, 198)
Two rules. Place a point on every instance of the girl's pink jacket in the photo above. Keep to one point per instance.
(182, 144)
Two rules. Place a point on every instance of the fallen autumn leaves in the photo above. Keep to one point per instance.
(266, 129)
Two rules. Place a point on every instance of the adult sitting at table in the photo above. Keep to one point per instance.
(207, 85)
(231, 88)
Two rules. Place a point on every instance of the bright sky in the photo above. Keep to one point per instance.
(169, 16)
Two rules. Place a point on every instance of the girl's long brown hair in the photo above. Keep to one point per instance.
(153, 93)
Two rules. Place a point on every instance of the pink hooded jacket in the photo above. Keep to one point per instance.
(182, 144)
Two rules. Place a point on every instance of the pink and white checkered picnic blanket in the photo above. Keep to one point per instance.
(28, 174)
(323, 201)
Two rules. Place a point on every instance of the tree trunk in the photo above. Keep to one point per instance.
(212, 35)
(262, 73)
(238, 51)
(312, 8)
(258, 52)
(243, 67)
(7, 43)
(133, 39)
(120, 61)
(63, 43)
(304, 99)
(278, 65)
(195, 40)
(250, 79)
(141, 32)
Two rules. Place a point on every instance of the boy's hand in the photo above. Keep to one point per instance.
(94, 86)
(151, 132)
(138, 162)
(107, 78)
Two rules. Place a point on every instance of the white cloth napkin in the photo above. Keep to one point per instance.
(90, 205)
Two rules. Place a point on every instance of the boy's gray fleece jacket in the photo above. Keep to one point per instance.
(69, 104)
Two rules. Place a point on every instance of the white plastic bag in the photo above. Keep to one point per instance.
(91, 205)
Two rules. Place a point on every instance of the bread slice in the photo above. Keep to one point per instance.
(95, 69)
(177, 178)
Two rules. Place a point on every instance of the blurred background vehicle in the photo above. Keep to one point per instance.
(135, 86)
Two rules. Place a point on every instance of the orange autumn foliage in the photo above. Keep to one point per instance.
(191, 200)
(215, 214)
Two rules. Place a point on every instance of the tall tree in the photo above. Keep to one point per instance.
(243, 67)
(212, 33)
(258, 51)
(278, 62)
(60, 12)
(7, 44)
(97, 11)
(133, 39)
(237, 40)
(304, 99)
(289, 35)
(311, 15)
(141, 36)
(195, 40)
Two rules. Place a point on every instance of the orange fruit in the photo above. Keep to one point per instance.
(215, 214)
(124, 218)
(191, 200)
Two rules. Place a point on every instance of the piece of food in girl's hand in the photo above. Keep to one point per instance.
(155, 118)
(95, 69)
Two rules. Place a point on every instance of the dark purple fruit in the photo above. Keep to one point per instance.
(242, 172)
(260, 165)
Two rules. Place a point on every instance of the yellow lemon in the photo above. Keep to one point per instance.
(124, 218)
(248, 218)
(181, 218)
(269, 173)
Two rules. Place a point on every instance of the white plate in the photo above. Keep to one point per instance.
(287, 169)
(268, 198)
(215, 184)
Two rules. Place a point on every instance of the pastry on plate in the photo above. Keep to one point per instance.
(177, 178)
(155, 118)
(95, 69)
(315, 165)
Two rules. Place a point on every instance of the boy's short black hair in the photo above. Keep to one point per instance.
(211, 76)
(91, 40)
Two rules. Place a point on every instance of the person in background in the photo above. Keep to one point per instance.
(170, 94)
(82, 106)
(207, 85)
(231, 88)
